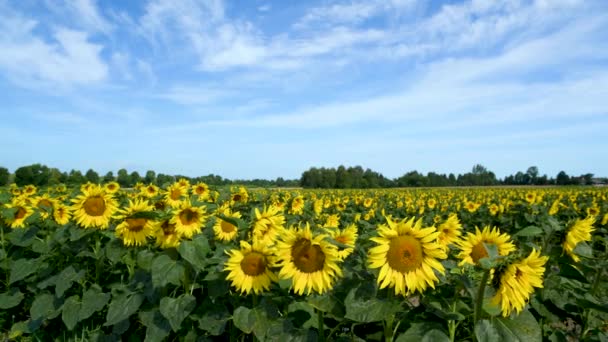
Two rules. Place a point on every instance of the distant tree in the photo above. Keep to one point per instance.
(135, 177)
(562, 178)
(56, 177)
(4, 175)
(162, 179)
(587, 178)
(35, 174)
(150, 177)
(123, 178)
(532, 173)
(92, 176)
(109, 177)
(75, 177)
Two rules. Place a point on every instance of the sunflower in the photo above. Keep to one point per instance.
(29, 190)
(45, 204)
(240, 196)
(580, 231)
(94, 208)
(188, 219)
(332, 221)
(309, 261)
(517, 282)
(473, 245)
(175, 194)
(267, 224)
(61, 214)
(297, 205)
(347, 237)
(250, 267)
(367, 202)
(449, 231)
(22, 212)
(604, 219)
(167, 236)
(223, 229)
(317, 206)
(149, 190)
(201, 190)
(112, 187)
(407, 256)
(184, 183)
(134, 230)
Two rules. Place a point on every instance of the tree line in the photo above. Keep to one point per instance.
(328, 178)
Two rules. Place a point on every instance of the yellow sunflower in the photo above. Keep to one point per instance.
(472, 246)
(188, 219)
(174, 195)
(407, 256)
(23, 211)
(449, 231)
(201, 190)
(61, 214)
(45, 204)
(517, 282)
(225, 230)
(94, 208)
(135, 230)
(167, 236)
(308, 260)
(347, 237)
(580, 231)
(332, 221)
(112, 187)
(297, 205)
(267, 224)
(149, 190)
(250, 267)
(29, 190)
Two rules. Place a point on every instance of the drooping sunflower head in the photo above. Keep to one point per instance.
(166, 235)
(61, 214)
(579, 231)
(250, 267)
(517, 282)
(347, 238)
(267, 224)
(21, 212)
(94, 208)
(297, 205)
(407, 255)
(308, 260)
(188, 219)
(473, 246)
(223, 229)
(449, 231)
(332, 221)
(134, 229)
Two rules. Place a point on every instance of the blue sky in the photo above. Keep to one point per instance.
(262, 89)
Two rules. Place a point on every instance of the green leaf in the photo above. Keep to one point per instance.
(93, 300)
(302, 313)
(522, 327)
(423, 332)
(590, 302)
(365, 309)
(195, 251)
(115, 251)
(144, 259)
(21, 268)
(70, 312)
(66, 278)
(583, 249)
(166, 271)
(177, 309)
(10, 299)
(157, 326)
(566, 270)
(529, 231)
(23, 237)
(214, 321)
(243, 319)
(122, 307)
(485, 332)
(45, 306)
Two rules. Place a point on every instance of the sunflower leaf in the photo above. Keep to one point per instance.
(166, 271)
(177, 309)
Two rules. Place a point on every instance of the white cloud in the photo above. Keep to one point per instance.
(68, 60)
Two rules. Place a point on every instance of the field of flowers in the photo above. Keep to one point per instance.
(190, 263)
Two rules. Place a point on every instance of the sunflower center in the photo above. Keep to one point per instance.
(188, 216)
(175, 194)
(404, 254)
(253, 264)
(111, 186)
(341, 239)
(136, 224)
(20, 213)
(478, 252)
(307, 257)
(160, 205)
(236, 197)
(94, 206)
(227, 227)
(44, 203)
(168, 228)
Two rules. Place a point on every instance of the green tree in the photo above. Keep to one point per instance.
(4, 175)
(150, 177)
(92, 176)
(123, 178)
(75, 177)
(109, 177)
(134, 177)
(35, 174)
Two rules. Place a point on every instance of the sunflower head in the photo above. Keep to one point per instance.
(474, 246)
(188, 219)
(94, 208)
(250, 267)
(22, 211)
(449, 231)
(407, 256)
(308, 260)
(579, 231)
(134, 230)
(223, 229)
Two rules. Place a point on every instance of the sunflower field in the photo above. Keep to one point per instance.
(189, 263)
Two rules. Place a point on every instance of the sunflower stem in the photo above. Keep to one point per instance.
(480, 295)
(255, 301)
(594, 286)
(321, 325)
